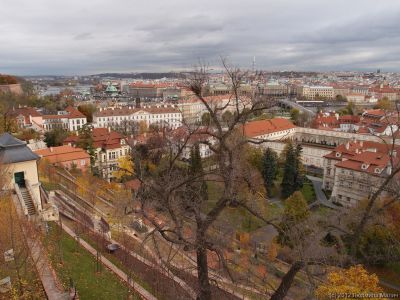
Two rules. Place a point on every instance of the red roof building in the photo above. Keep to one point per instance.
(353, 170)
(272, 129)
(66, 156)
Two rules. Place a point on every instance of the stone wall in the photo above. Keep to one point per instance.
(11, 88)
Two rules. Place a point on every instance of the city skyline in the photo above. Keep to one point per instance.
(73, 38)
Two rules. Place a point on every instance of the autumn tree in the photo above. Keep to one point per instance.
(125, 168)
(55, 137)
(295, 212)
(355, 280)
(255, 157)
(88, 110)
(385, 104)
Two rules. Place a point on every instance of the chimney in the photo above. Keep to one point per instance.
(109, 129)
(51, 149)
(361, 143)
(347, 145)
(394, 153)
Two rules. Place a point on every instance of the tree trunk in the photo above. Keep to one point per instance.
(287, 281)
(202, 273)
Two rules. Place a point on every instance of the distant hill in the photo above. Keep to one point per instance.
(141, 75)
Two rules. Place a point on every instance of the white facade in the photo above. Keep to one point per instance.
(168, 117)
(311, 92)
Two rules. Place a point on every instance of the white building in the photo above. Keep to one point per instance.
(109, 147)
(312, 92)
(70, 119)
(163, 116)
(193, 108)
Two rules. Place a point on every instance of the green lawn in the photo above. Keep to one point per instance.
(71, 261)
(89, 239)
(237, 216)
(308, 192)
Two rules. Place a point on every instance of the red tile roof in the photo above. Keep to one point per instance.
(366, 162)
(62, 154)
(261, 127)
(74, 113)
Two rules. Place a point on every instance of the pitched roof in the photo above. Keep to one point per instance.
(261, 127)
(62, 154)
(13, 150)
(25, 111)
(74, 113)
(366, 162)
(352, 149)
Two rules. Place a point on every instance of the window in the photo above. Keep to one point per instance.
(83, 162)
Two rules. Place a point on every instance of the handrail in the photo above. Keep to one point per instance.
(21, 199)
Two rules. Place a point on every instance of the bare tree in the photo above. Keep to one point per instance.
(171, 198)
(176, 193)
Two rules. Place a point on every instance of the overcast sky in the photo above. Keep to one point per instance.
(92, 36)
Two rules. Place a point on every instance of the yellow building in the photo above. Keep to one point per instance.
(20, 173)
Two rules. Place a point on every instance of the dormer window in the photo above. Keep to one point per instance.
(338, 154)
(364, 166)
(377, 170)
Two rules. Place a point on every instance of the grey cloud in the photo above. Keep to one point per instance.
(82, 37)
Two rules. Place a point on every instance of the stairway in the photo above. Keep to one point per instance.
(28, 200)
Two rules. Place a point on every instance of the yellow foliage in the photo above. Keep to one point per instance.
(90, 187)
(125, 167)
(272, 251)
(355, 280)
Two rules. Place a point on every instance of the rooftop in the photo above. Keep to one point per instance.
(13, 150)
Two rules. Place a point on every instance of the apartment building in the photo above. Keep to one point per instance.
(193, 108)
(69, 119)
(160, 115)
(385, 92)
(275, 89)
(313, 92)
(152, 90)
(352, 171)
(109, 146)
(26, 117)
